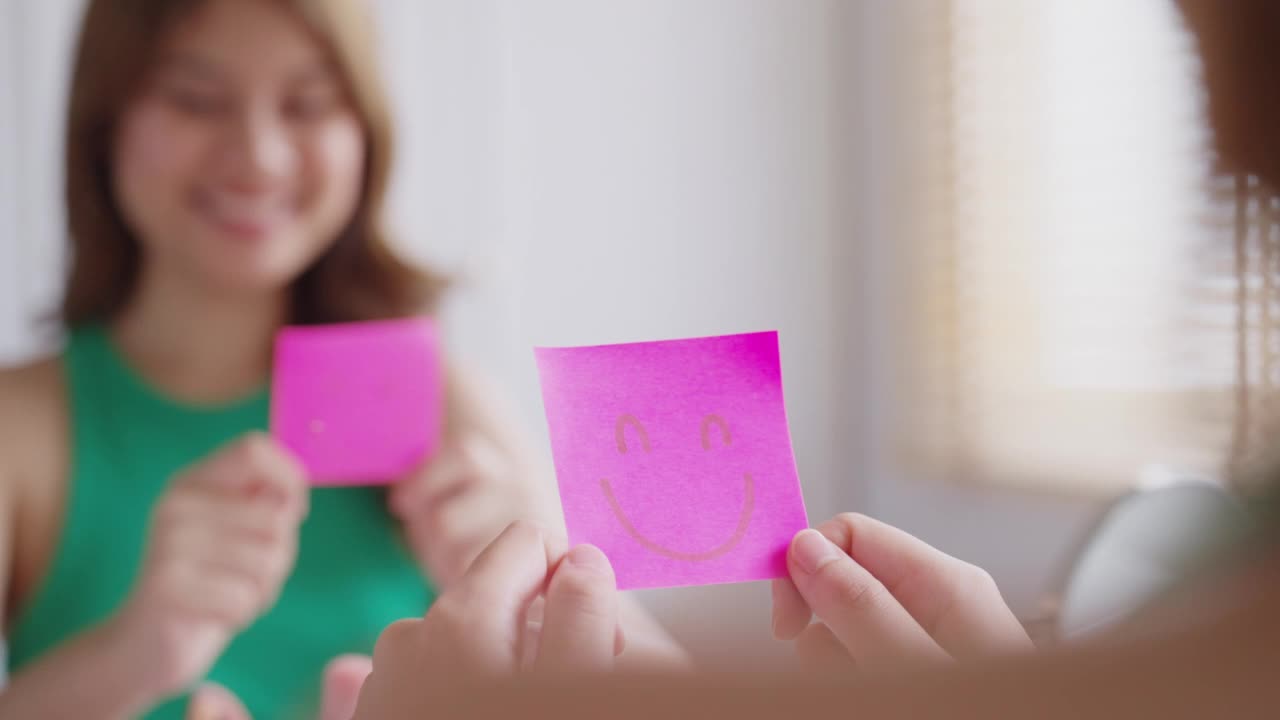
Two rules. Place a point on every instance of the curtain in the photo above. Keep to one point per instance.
(1251, 289)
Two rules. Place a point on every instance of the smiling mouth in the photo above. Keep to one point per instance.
(744, 519)
(245, 218)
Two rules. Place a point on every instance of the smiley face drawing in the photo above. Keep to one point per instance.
(748, 490)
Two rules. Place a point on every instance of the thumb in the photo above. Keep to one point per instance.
(490, 602)
(344, 676)
(580, 627)
(214, 702)
(860, 611)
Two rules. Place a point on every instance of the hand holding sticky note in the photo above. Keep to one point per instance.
(675, 458)
(358, 403)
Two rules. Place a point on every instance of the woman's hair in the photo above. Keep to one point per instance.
(1239, 48)
(358, 278)
(1239, 42)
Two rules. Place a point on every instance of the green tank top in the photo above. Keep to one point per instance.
(353, 576)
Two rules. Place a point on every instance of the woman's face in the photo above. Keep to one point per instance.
(242, 158)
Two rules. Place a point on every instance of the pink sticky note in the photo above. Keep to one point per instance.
(358, 403)
(674, 457)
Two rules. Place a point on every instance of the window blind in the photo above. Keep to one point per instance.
(1082, 308)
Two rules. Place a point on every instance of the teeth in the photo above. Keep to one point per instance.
(242, 210)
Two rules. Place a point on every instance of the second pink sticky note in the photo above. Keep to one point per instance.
(675, 458)
(358, 403)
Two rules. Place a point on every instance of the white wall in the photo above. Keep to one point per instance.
(665, 169)
(35, 44)
(623, 170)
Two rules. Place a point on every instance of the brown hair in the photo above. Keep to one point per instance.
(358, 278)
(1239, 49)
(1239, 43)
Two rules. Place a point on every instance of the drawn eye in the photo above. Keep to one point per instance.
(620, 431)
(707, 422)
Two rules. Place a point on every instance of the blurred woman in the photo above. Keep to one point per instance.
(226, 163)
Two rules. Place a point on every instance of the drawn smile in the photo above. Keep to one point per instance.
(744, 515)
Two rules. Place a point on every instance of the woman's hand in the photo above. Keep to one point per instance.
(458, 503)
(340, 689)
(222, 541)
(883, 597)
(482, 478)
(478, 629)
(465, 498)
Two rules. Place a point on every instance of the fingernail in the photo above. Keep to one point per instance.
(811, 550)
(205, 710)
(590, 559)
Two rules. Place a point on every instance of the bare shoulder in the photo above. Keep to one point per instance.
(33, 451)
(41, 377)
(33, 433)
(32, 408)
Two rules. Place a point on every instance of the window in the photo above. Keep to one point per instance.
(1076, 314)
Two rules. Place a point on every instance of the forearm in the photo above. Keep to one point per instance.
(1031, 689)
(94, 675)
(1221, 668)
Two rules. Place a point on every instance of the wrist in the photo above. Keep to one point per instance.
(136, 661)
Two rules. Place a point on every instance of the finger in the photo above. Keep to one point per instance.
(257, 464)
(453, 532)
(218, 517)
(264, 565)
(343, 678)
(492, 598)
(414, 491)
(529, 645)
(533, 638)
(396, 654)
(580, 624)
(958, 604)
(533, 632)
(464, 493)
(396, 644)
(819, 649)
(864, 616)
(214, 702)
(471, 518)
(230, 600)
(207, 549)
(791, 614)
(239, 536)
(449, 474)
